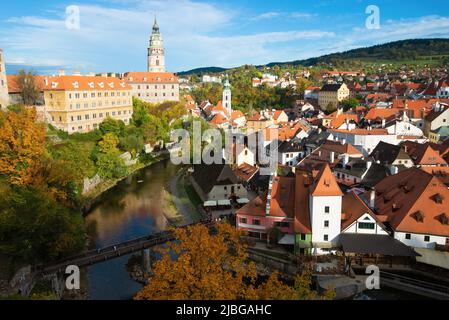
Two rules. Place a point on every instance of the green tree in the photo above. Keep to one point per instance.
(108, 161)
(34, 227)
(29, 90)
(349, 104)
(110, 125)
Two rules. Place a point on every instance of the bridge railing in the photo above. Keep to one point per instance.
(114, 250)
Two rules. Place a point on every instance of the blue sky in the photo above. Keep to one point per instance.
(113, 35)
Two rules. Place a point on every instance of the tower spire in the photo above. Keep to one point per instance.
(156, 51)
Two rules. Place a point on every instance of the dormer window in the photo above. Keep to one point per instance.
(438, 198)
(444, 219)
(91, 85)
(418, 216)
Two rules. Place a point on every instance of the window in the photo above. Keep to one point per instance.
(367, 225)
(326, 209)
(243, 220)
(426, 238)
(326, 237)
(326, 224)
(303, 237)
(281, 224)
(408, 236)
(256, 222)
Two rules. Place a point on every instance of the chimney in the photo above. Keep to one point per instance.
(369, 163)
(394, 170)
(319, 153)
(383, 123)
(343, 141)
(346, 160)
(61, 72)
(104, 75)
(332, 154)
(372, 199)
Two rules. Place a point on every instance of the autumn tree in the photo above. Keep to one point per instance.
(27, 83)
(22, 144)
(108, 161)
(213, 265)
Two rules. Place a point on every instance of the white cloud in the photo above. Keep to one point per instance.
(266, 15)
(196, 34)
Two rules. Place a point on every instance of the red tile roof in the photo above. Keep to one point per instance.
(75, 83)
(150, 77)
(326, 184)
(13, 86)
(414, 202)
(353, 208)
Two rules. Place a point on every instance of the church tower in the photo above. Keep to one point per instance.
(227, 101)
(156, 51)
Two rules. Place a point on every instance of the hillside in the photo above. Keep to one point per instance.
(399, 51)
(204, 70)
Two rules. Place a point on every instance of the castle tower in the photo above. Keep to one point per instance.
(156, 51)
(4, 97)
(227, 96)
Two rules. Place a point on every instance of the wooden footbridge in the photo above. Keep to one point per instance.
(92, 257)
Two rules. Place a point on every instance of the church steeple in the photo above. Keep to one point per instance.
(155, 25)
(227, 95)
(156, 51)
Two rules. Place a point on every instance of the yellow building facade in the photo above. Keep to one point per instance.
(332, 95)
(82, 103)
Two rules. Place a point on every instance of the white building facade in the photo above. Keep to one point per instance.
(156, 51)
(4, 97)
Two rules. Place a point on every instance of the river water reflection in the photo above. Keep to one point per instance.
(130, 210)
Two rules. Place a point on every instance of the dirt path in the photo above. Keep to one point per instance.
(180, 198)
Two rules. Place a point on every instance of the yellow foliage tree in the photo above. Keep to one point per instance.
(214, 265)
(22, 143)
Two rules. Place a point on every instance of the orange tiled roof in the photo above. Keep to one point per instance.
(423, 154)
(414, 201)
(256, 207)
(354, 208)
(338, 119)
(362, 132)
(326, 184)
(150, 77)
(219, 119)
(85, 83)
(302, 213)
(283, 197)
(13, 86)
(377, 113)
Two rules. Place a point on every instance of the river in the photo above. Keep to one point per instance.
(130, 210)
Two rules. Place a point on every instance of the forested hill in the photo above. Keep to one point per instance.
(399, 51)
(393, 51)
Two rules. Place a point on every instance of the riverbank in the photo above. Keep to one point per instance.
(184, 198)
